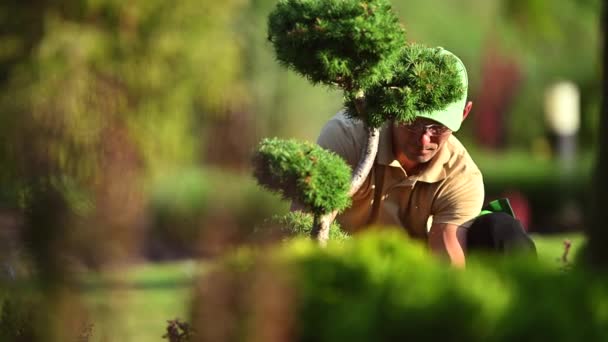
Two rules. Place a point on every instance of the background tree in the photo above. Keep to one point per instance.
(598, 215)
(99, 100)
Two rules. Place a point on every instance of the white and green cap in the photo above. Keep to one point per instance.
(451, 116)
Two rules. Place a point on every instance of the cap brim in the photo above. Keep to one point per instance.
(452, 115)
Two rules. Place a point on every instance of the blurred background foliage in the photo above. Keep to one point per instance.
(127, 128)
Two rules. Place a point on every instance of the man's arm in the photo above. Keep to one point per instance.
(449, 240)
(457, 205)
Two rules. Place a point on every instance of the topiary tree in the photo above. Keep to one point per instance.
(360, 47)
(304, 173)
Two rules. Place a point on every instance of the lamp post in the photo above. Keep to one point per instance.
(562, 115)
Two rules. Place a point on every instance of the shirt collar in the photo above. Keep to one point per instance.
(434, 170)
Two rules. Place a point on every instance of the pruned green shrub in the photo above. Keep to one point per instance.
(349, 43)
(304, 173)
(425, 80)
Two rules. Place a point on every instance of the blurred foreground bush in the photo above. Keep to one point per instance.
(382, 287)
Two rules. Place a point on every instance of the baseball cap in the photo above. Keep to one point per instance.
(451, 116)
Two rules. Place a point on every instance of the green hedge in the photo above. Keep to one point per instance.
(190, 204)
(382, 287)
(542, 182)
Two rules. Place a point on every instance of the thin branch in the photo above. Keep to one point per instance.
(370, 149)
(320, 229)
(321, 226)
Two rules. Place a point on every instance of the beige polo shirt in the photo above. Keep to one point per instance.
(448, 190)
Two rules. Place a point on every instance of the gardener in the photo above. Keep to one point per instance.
(424, 180)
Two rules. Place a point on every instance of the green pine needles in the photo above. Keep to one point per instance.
(425, 80)
(360, 46)
(298, 223)
(303, 172)
(349, 43)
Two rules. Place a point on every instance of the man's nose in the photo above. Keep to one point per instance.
(425, 137)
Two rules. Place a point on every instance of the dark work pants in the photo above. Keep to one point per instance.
(499, 232)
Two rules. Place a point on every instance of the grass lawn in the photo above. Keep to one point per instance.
(551, 247)
(134, 304)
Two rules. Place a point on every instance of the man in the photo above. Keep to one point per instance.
(423, 180)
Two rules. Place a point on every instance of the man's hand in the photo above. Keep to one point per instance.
(449, 240)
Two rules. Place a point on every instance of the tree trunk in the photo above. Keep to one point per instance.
(320, 227)
(367, 161)
(370, 149)
(597, 227)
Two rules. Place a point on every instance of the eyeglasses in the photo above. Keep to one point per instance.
(433, 130)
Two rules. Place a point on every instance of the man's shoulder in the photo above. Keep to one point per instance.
(344, 121)
(344, 136)
(460, 160)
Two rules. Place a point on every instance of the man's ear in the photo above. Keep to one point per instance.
(467, 110)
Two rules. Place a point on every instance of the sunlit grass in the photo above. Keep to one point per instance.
(134, 303)
(551, 247)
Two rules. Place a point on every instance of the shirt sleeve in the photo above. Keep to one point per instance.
(340, 136)
(459, 199)
(345, 137)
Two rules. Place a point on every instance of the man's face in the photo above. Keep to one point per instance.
(420, 140)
